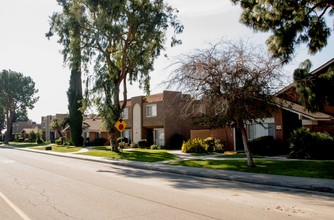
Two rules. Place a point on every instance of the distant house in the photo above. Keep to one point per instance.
(25, 133)
(48, 133)
(19, 126)
(156, 118)
(291, 114)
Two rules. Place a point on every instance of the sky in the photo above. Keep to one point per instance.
(24, 47)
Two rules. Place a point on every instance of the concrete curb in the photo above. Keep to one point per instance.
(303, 183)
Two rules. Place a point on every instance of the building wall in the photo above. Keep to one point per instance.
(224, 134)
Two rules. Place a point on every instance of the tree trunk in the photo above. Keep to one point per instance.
(249, 157)
(113, 140)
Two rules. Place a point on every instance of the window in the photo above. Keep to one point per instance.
(125, 113)
(151, 110)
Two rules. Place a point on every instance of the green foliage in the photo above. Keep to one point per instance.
(194, 146)
(311, 145)
(155, 147)
(290, 22)
(32, 136)
(314, 90)
(17, 94)
(133, 145)
(39, 139)
(142, 143)
(210, 144)
(207, 145)
(122, 139)
(219, 146)
(264, 145)
(59, 141)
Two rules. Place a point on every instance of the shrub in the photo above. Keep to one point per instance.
(194, 146)
(122, 139)
(39, 139)
(175, 141)
(98, 142)
(311, 145)
(209, 144)
(264, 145)
(59, 141)
(142, 143)
(133, 145)
(155, 147)
(219, 146)
(32, 136)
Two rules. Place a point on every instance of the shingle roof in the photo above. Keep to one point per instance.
(299, 109)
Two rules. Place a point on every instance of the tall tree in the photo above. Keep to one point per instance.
(235, 83)
(16, 92)
(314, 90)
(291, 22)
(68, 25)
(125, 37)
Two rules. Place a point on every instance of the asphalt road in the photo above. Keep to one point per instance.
(38, 186)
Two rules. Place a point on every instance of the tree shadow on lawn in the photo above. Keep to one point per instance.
(185, 181)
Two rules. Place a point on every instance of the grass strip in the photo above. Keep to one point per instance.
(140, 155)
(314, 169)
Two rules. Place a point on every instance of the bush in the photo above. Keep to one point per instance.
(265, 145)
(133, 145)
(59, 141)
(175, 141)
(155, 147)
(209, 144)
(311, 145)
(98, 142)
(142, 143)
(194, 146)
(122, 139)
(32, 136)
(219, 146)
(39, 139)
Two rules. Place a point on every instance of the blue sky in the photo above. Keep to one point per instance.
(24, 48)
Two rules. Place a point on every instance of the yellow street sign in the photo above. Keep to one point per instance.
(120, 125)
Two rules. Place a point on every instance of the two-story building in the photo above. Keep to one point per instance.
(156, 118)
(48, 133)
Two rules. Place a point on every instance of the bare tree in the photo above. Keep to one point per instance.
(234, 81)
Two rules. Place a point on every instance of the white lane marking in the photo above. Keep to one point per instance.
(14, 207)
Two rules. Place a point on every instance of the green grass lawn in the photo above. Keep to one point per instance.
(61, 149)
(24, 144)
(141, 155)
(315, 169)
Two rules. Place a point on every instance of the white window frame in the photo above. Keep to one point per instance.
(153, 112)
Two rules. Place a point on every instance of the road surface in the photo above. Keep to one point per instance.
(37, 186)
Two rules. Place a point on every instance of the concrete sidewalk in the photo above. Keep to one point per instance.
(304, 183)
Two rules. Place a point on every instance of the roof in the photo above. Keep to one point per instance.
(299, 109)
(314, 72)
(28, 130)
(155, 98)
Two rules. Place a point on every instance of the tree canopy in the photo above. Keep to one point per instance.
(291, 22)
(69, 25)
(122, 38)
(315, 91)
(235, 82)
(17, 93)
